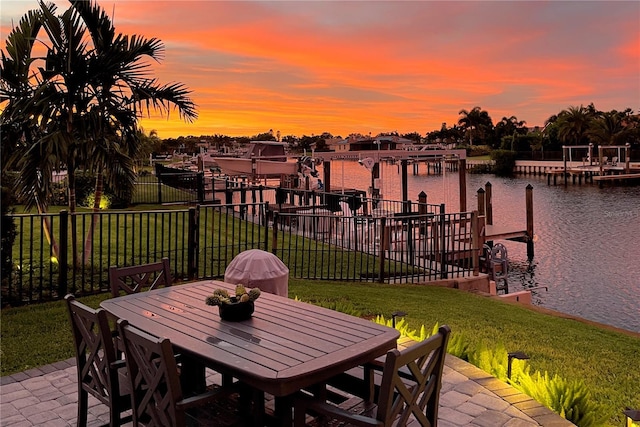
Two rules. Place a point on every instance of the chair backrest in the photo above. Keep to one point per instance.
(137, 277)
(422, 366)
(95, 350)
(153, 376)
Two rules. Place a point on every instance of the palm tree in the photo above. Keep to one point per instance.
(509, 127)
(122, 87)
(476, 122)
(609, 128)
(573, 124)
(86, 101)
(16, 130)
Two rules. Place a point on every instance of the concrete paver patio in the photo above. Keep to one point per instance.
(47, 396)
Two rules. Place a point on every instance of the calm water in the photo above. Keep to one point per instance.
(587, 249)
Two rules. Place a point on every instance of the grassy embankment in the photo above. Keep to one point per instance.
(605, 359)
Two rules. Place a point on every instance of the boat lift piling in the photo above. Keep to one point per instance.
(492, 232)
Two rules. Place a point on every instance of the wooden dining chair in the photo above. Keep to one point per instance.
(408, 394)
(135, 278)
(157, 398)
(100, 372)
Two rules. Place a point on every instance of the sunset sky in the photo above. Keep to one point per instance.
(307, 67)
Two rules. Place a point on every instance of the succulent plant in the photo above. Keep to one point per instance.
(221, 292)
(254, 294)
(240, 290)
(213, 300)
(221, 296)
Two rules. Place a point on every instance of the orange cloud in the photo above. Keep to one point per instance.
(342, 67)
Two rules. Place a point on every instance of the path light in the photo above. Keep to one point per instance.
(396, 314)
(632, 417)
(520, 355)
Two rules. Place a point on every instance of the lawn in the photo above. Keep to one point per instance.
(605, 359)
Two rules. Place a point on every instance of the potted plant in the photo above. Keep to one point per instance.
(234, 307)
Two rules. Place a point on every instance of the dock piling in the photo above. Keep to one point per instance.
(529, 209)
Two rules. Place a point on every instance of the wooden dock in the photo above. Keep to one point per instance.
(500, 232)
(622, 178)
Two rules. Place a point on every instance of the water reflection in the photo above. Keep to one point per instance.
(586, 251)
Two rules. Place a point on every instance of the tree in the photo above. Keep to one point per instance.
(413, 136)
(609, 128)
(266, 136)
(87, 100)
(573, 124)
(509, 127)
(477, 124)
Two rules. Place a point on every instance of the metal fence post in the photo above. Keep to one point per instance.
(443, 244)
(192, 243)
(200, 186)
(263, 209)
(475, 245)
(274, 241)
(63, 246)
(383, 242)
(159, 179)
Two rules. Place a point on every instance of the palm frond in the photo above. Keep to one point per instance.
(164, 98)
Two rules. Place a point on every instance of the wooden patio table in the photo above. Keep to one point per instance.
(286, 346)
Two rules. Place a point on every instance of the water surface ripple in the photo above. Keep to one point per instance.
(587, 248)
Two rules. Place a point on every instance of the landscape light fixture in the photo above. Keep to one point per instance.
(520, 355)
(632, 417)
(396, 314)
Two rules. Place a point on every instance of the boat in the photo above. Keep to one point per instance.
(264, 159)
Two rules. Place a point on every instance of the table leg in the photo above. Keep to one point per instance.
(284, 410)
(192, 375)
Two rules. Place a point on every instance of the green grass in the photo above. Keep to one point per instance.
(606, 360)
(152, 234)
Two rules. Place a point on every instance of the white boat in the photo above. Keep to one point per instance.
(264, 159)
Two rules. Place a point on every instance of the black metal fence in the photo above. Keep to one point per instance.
(396, 248)
(314, 242)
(176, 186)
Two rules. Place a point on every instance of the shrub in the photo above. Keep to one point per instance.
(475, 150)
(483, 168)
(570, 399)
(105, 201)
(504, 162)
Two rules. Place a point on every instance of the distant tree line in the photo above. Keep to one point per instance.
(576, 125)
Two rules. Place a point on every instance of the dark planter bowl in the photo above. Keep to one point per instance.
(236, 311)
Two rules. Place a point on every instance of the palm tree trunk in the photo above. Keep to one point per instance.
(88, 243)
(46, 225)
(72, 214)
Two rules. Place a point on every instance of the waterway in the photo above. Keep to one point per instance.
(587, 239)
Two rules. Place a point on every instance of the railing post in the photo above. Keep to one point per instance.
(489, 204)
(200, 186)
(381, 252)
(274, 240)
(264, 208)
(192, 243)
(481, 201)
(63, 261)
(475, 243)
(443, 244)
(243, 200)
(158, 178)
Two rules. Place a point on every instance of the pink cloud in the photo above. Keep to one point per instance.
(310, 67)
